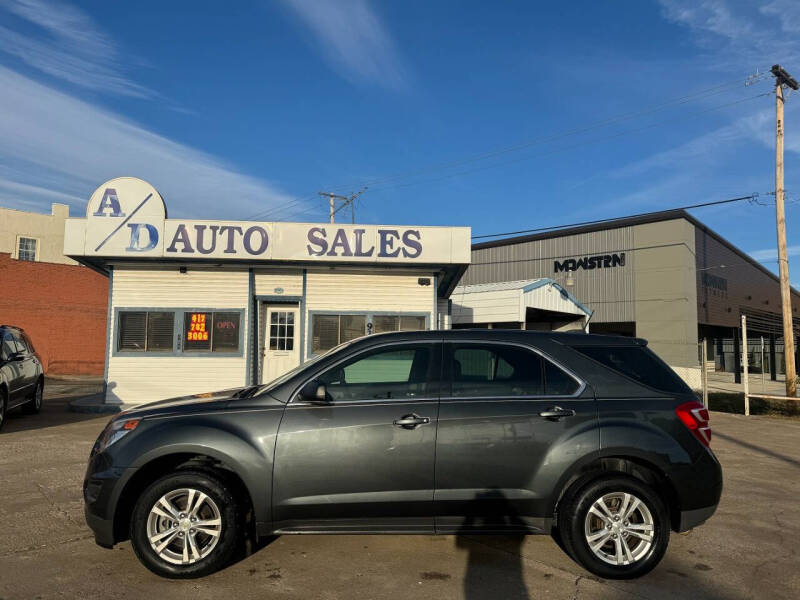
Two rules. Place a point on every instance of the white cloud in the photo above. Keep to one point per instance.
(771, 254)
(737, 34)
(56, 147)
(353, 40)
(67, 45)
(787, 11)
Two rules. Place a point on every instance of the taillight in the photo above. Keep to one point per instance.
(695, 416)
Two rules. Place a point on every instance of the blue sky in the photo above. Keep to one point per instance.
(452, 113)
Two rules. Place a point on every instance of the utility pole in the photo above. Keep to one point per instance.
(783, 78)
(346, 200)
(332, 203)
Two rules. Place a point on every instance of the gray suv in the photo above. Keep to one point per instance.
(590, 438)
(21, 373)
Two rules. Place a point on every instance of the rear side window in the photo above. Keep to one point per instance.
(496, 371)
(637, 363)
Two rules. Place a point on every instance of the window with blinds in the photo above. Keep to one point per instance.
(328, 331)
(146, 331)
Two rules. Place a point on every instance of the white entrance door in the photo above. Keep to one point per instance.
(281, 341)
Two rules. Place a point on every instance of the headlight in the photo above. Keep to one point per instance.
(114, 432)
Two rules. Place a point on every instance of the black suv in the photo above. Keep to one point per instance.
(21, 374)
(591, 438)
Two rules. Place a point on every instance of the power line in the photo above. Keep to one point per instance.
(751, 198)
(574, 146)
(717, 89)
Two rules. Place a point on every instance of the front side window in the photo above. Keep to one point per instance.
(494, 370)
(399, 373)
(145, 331)
(26, 249)
(9, 346)
(215, 331)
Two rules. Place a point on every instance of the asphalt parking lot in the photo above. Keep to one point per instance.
(749, 549)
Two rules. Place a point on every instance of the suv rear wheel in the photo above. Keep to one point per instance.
(186, 525)
(616, 527)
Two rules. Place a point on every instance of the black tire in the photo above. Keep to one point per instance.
(572, 521)
(230, 535)
(3, 407)
(34, 405)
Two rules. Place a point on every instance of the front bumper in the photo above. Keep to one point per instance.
(103, 529)
(101, 489)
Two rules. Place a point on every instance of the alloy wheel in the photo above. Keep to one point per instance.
(184, 526)
(619, 528)
(37, 396)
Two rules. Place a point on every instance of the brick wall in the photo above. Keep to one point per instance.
(62, 308)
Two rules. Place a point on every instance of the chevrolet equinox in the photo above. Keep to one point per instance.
(590, 438)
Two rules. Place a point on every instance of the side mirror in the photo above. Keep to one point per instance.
(314, 391)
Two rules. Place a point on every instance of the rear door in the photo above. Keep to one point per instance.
(365, 460)
(511, 422)
(13, 370)
(29, 363)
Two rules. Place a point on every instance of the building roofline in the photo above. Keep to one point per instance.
(641, 219)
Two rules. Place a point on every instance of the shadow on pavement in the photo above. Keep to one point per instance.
(55, 412)
(765, 451)
(492, 574)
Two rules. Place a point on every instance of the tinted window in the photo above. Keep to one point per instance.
(9, 347)
(28, 343)
(638, 363)
(396, 373)
(496, 371)
(21, 345)
(557, 381)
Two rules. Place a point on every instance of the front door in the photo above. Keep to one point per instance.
(364, 461)
(281, 351)
(510, 424)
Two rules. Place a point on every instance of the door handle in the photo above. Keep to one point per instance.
(411, 421)
(556, 412)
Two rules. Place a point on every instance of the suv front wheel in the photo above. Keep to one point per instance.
(186, 525)
(617, 527)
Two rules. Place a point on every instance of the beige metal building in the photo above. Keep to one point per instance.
(34, 236)
(662, 276)
(196, 306)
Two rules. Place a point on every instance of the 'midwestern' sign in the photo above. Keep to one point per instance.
(126, 217)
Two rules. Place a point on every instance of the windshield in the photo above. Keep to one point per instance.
(266, 387)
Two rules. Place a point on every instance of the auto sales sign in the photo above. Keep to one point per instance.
(127, 218)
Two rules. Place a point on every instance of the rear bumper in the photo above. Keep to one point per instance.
(693, 518)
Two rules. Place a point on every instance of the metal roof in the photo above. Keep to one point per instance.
(522, 284)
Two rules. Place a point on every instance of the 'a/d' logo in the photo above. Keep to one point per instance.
(125, 215)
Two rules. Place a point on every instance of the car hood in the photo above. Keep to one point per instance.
(183, 404)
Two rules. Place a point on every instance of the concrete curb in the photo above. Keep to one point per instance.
(94, 404)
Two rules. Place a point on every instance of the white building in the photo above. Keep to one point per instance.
(537, 304)
(196, 306)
